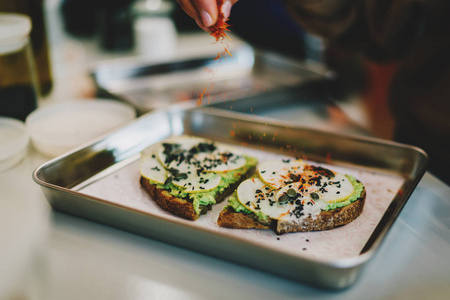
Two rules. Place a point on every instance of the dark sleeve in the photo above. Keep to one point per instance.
(381, 29)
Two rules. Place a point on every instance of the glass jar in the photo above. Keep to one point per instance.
(18, 79)
(38, 36)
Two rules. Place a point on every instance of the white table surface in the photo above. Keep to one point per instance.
(49, 255)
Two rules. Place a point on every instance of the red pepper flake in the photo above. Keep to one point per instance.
(200, 98)
(400, 192)
(232, 133)
(328, 157)
(262, 147)
(228, 52)
(218, 30)
(244, 144)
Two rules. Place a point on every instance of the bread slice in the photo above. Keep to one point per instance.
(186, 175)
(183, 207)
(326, 220)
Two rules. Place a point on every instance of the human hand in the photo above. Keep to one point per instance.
(205, 12)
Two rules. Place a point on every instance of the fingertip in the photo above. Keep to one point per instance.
(226, 9)
(206, 18)
(200, 24)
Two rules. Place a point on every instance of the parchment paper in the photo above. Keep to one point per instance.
(122, 187)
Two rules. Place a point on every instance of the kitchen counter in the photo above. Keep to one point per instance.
(50, 255)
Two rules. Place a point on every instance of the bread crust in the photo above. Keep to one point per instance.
(168, 202)
(326, 220)
(231, 219)
(182, 207)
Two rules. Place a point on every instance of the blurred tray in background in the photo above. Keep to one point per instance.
(251, 82)
(156, 85)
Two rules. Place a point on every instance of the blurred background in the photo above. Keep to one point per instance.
(69, 37)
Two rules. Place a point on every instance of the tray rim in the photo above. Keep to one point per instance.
(341, 263)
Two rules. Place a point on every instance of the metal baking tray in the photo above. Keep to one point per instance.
(154, 85)
(107, 161)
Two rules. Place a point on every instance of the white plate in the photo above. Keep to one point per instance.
(61, 127)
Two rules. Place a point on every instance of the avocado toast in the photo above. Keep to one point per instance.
(187, 175)
(288, 195)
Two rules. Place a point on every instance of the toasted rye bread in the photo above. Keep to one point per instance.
(326, 220)
(182, 207)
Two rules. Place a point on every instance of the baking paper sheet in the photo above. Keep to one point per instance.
(122, 187)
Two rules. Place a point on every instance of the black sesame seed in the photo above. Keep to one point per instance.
(168, 180)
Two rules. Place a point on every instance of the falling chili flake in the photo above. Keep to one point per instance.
(227, 51)
(232, 133)
(200, 98)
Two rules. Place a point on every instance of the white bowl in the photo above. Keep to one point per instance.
(59, 128)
